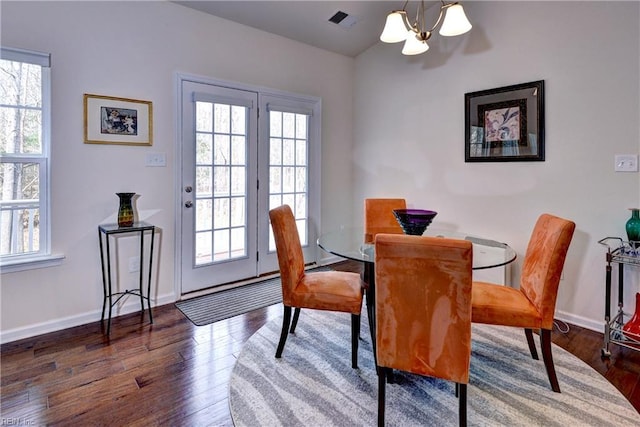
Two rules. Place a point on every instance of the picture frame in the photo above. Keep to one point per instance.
(505, 124)
(111, 120)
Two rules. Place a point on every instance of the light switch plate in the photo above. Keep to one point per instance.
(626, 163)
(155, 160)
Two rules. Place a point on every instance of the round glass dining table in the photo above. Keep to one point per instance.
(349, 243)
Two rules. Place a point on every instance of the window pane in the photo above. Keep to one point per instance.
(203, 181)
(301, 126)
(203, 148)
(221, 185)
(203, 248)
(275, 123)
(203, 214)
(238, 246)
(302, 231)
(301, 206)
(238, 156)
(19, 181)
(275, 180)
(301, 180)
(275, 151)
(221, 150)
(21, 83)
(288, 125)
(221, 245)
(20, 220)
(275, 200)
(221, 213)
(301, 152)
(238, 178)
(20, 228)
(22, 131)
(288, 152)
(204, 115)
(221, 118)
(288, 179)
(289, 199)
(238, 213)
(238, 120)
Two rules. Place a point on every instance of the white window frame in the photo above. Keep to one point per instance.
(43, 257)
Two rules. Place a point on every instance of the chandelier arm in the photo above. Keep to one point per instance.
(442, 9)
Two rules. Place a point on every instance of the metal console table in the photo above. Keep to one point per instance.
(106, 230)
(622, 253)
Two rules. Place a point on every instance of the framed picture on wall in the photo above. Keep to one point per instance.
(505, 124)
(110, 120)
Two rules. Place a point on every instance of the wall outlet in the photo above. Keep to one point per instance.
(155, 160)
(134, 264)
(626, 163)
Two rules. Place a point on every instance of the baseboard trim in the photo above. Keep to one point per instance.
(133, 306)
(597, 326)
(130, 306)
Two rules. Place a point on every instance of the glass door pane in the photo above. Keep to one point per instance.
(288, 168)
(221, 182)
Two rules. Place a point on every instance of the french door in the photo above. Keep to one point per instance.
(236, 165)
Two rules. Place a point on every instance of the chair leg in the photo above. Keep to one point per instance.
(285, 329)
(296, 314)
(382, 382)
(355, 337)
(545, 343)
(532, 345)
(462, 402)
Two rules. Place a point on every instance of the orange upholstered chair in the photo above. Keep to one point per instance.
(326, 290)
(379, 218)
(423, 310)
(533, 305)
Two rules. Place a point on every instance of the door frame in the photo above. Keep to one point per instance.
(314, 213)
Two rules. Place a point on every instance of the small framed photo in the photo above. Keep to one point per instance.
(110, 120)
(505, 124)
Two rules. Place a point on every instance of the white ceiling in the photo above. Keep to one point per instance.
(307, 21)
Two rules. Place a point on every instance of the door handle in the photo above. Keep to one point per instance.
(188, 203)
(188, 189)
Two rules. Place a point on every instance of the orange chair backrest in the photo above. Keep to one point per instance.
(379, 218)
(543, 263)
(423, 305)
(290, 256)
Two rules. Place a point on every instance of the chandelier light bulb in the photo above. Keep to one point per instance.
(455, 21)
(414, 44)
(395, 29)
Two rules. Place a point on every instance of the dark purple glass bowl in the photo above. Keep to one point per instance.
(414, 221)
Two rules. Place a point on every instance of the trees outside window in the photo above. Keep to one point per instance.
(24, 155)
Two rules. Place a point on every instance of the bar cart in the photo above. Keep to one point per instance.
(622, 253)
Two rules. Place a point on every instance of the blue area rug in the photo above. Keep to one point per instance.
(313, 383)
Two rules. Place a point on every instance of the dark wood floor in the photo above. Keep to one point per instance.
(175, 373)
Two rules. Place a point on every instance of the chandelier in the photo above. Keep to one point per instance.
(398, 28)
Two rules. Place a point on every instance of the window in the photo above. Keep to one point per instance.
(288, 166)
(24, 157)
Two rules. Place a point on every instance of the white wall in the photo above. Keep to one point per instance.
(134, 50)
(409, 131)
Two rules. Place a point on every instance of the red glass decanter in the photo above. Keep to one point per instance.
(631, 329)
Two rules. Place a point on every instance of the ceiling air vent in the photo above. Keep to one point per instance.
(343, 19)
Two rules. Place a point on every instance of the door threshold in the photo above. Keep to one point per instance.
(231, 285)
